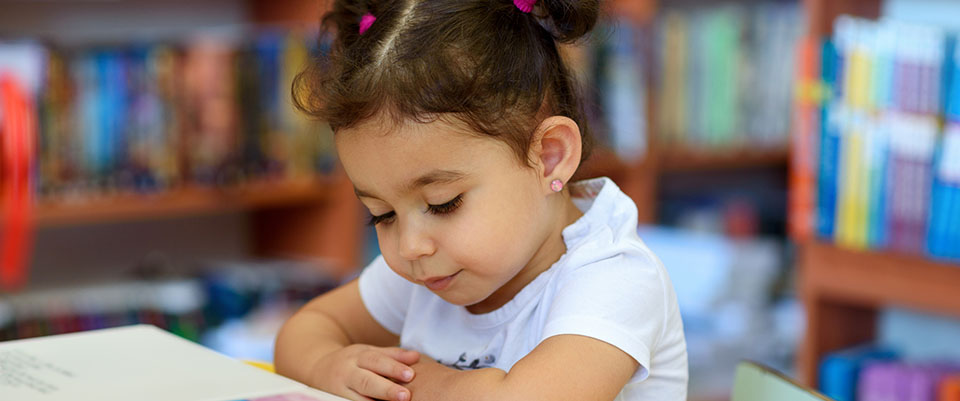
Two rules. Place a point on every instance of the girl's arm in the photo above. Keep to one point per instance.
(563, 367)
(334, 344)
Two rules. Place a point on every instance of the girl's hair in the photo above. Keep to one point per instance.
(482, 62)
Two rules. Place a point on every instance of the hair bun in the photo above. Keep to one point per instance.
(570, 19)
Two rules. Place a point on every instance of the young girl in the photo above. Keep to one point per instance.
(458, 124)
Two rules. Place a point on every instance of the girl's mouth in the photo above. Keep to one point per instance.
(440, 283)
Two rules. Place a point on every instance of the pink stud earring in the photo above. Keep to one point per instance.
(556, 185)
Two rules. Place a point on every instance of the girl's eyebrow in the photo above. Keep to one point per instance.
(435, 177)
(432, 177)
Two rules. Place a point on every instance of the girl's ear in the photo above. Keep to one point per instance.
(556, 149)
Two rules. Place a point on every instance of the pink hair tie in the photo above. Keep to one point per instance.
(366, 21)
(525, 5)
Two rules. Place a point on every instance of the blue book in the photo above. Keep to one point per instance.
(623, 94)
(877, 176)
(950, 94)
(951, 200)
(937, 236)
(840, 371)
(120, 99)
(950, 191)
(269, 48)
(102, 161)
(953, 236)
(951, 80)
(829, 145)
(89, 113)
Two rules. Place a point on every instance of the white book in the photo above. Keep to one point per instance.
(135, 363)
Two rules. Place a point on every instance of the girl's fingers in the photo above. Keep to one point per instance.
(386, 366)
(403, 355)
(355, 396)
(372, 385)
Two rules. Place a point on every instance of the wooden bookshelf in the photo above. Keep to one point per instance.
(189, 201)
(316, 219)
(675, 159)
(842, 290)
(821, 13)
(639, 179)
(310, 219)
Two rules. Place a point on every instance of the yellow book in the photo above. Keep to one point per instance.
(672, 105)
(861, 184)
(851, 228)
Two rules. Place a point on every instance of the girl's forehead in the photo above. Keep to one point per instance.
(407, 152)
(414, 141)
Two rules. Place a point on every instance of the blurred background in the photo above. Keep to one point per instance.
(796, 165)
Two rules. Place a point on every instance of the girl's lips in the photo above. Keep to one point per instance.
(439, 284)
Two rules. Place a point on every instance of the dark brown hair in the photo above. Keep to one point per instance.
(482, 62)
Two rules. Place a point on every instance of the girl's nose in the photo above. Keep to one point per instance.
(414, 242)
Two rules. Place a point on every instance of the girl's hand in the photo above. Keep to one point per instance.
(364, 372)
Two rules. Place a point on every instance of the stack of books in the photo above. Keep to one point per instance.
(885, 161)
(724, 75)
(187, 306)
(870, 373)
(151, 117)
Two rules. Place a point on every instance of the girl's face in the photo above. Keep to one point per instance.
(454, 212)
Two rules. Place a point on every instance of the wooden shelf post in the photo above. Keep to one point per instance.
(329, 231)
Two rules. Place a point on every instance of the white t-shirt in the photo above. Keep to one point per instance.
(608, 286)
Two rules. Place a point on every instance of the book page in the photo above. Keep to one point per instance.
(135, 363)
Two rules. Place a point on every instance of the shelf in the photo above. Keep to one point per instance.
(878, 279)
(187, 201)
(679, 159)
(843, 289)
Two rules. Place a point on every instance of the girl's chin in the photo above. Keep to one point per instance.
(465, 301)
(459, 301)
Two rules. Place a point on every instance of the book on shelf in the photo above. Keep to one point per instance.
(875, 372)
(806, 119)
(135, 363)
(945, 206)
(724, 74)
(950, 389)
(19, 82)
(829, 140)
(621, 81)
(885, 174)
(840, 370)
(149, 117)
(897, 380)
(189, 306)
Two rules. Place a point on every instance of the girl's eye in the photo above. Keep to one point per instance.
(385, 218)
(445, 208)
(448, 207)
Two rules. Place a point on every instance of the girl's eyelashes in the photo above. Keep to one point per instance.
(383, 218)
(448, 207)
(442, 209)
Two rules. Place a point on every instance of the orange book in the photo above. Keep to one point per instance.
(803, 160)
(950, 389)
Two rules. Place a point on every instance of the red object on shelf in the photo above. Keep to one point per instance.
(17, 141)
(950, 389)
(803, 158)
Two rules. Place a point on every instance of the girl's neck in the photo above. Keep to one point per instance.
(549, 252)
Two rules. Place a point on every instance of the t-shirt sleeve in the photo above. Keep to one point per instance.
(620, 301)
(385, 294)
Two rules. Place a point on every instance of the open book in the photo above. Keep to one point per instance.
(135, 363)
